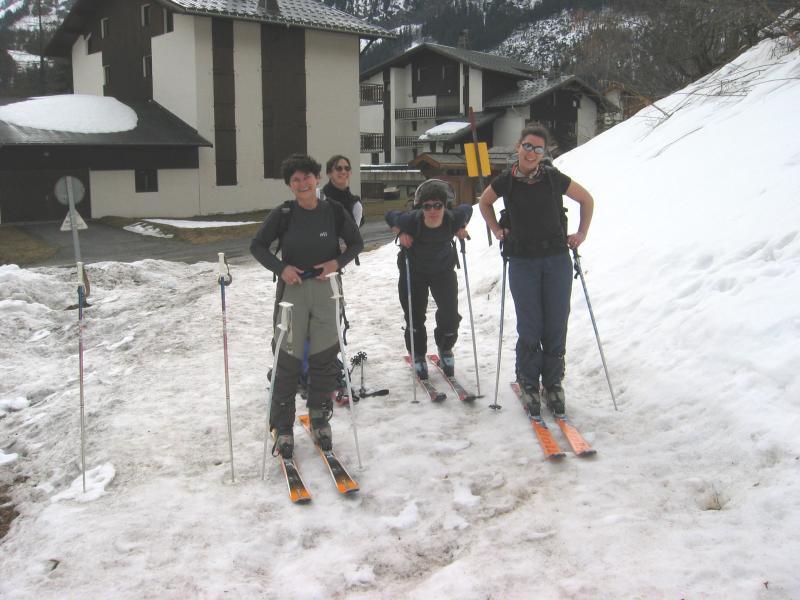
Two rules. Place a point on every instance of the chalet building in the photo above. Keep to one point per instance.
(243, 84)
(430, 85)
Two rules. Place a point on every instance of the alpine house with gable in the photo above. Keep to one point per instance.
(258, 79)
(432, 85)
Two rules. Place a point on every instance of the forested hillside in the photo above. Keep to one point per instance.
(652, 46)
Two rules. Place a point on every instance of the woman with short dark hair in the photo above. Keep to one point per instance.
(309, 229)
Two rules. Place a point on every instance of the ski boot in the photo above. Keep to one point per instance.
(531, 399)
(421, 368)
(448, 362)
(284, 443)
(556, 402)
(321, 428)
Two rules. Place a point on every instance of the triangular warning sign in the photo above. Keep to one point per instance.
(79, 222)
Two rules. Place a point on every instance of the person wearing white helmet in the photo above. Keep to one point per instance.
(426, 235)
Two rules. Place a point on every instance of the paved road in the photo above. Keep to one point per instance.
(101, 242)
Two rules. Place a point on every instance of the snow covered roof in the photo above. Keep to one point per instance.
(529, 91)
(91, 121)
(457, 131)
(307, 14)
(480, 60)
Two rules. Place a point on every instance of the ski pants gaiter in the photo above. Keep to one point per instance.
(313, 318)
(541, 288)
(443, 287)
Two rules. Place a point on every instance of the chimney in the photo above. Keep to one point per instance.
(269, 6)
(463, 39)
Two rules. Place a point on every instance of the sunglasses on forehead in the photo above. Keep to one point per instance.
(528, 147)
(342, 168)
(433, 206)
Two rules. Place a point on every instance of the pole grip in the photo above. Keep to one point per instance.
(285, 314)
(334, 288)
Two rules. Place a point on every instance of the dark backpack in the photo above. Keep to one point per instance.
(558, 201)
(286, 218)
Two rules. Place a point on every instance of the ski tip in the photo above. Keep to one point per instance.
(587, 453)
(556, 455)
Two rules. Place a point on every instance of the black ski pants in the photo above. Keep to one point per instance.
(443, 287)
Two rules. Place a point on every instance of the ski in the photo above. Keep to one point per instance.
(579, 445)
(433, 393)
(462, 394)
(344, 483)
(543, 434)
(298, 493)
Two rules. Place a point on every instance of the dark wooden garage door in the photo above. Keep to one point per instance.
(28, 196)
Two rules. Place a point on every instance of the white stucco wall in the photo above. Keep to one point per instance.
(175, 69)
(508, 126)
(87, 69)
(332, 97)
(476, 89)
(252, 191)
(586, 127)
(114, 193)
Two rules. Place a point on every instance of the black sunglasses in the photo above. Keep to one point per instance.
(342, 168)
(433, 206)
(528, 147)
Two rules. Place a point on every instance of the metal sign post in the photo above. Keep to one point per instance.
(69, 191)
(473, 127)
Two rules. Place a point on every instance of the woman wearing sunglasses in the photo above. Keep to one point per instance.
(534, 239)
(338, 170)
(426, 235)
(309, 253)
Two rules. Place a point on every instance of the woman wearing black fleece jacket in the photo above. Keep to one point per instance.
(426, 235)
(311, 242)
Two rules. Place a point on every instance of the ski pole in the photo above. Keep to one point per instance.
(358, 361)
(471, 320)
(579, 273)
(283, 327)
(496, 406)
(411, 326)
(81, 296)
(337, 296)
(225, 279)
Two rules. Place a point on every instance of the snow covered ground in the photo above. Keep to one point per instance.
(693, 263)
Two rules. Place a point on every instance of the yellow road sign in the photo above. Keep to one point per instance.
(475, 159)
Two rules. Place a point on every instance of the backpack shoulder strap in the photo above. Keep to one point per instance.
(338, 215)
(558, 198)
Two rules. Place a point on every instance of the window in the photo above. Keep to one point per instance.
(147, 66)
(105, 28)
(413, 125)
(145, 15)
(146, 180)
(91, 45)
(106, 75)
(169, 22)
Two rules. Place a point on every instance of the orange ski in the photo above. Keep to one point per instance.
(579, 445)
(297, 489)
(344, 483)
(543, 434)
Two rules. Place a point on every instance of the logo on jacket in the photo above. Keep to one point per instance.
(323, 234)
